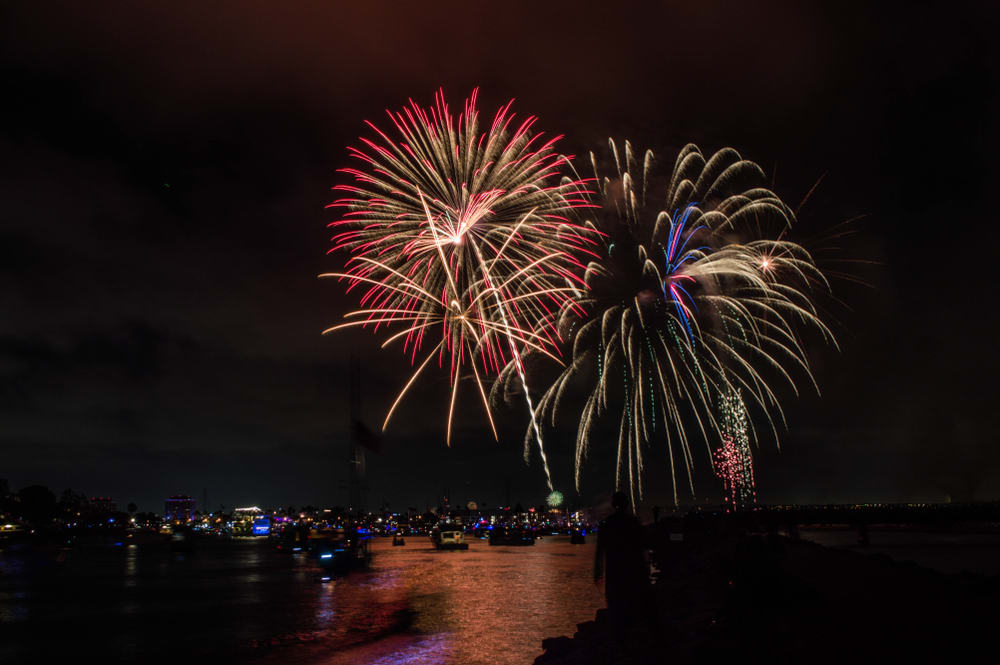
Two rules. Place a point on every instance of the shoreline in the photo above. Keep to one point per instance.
(758, 597)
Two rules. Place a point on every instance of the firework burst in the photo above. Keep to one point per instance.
(689, 302)
(464, 239)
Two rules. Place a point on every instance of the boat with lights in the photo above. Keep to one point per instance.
(449, 537)
(341, 551)
(511, 535)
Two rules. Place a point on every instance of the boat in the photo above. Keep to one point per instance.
(449, 537)
(398, 541)
(182, 538)
(578, 537)
(341, 552)
(511, 536)
(11, 534)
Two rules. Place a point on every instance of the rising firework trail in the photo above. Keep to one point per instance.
(466, 239)
(692, 298)
(733, 460)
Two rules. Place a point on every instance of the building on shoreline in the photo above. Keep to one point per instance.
(179, 508)
(103, 504)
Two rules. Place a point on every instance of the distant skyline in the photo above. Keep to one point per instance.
(166, 171)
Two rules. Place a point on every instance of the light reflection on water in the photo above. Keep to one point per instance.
(489, 604)
(246, 601)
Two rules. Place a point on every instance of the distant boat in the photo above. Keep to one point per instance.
(398, 541)
(511, 536)
(182, 538)
(341, 552)
(449, 537)
(578, 537)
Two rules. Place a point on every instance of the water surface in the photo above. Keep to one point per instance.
(946, 552)
(244, 600)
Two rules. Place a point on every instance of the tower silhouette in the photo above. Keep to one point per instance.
(358, 490)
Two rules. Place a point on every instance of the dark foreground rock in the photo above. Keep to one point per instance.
(766, 598)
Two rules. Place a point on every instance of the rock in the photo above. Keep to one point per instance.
(723, 599)
(557, 646)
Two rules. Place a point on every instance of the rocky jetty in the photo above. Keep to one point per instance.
(757, 597)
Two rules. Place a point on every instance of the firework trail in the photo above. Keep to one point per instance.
(689, 301)
(465, 232)
(733, 460)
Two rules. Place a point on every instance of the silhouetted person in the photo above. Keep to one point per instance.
(863, 538)
(302, 534)
(620, 559)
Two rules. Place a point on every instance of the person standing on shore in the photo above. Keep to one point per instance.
(619, 558)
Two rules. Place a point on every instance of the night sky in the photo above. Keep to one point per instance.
(165, 172)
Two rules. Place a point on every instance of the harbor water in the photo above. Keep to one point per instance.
(243, 600)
